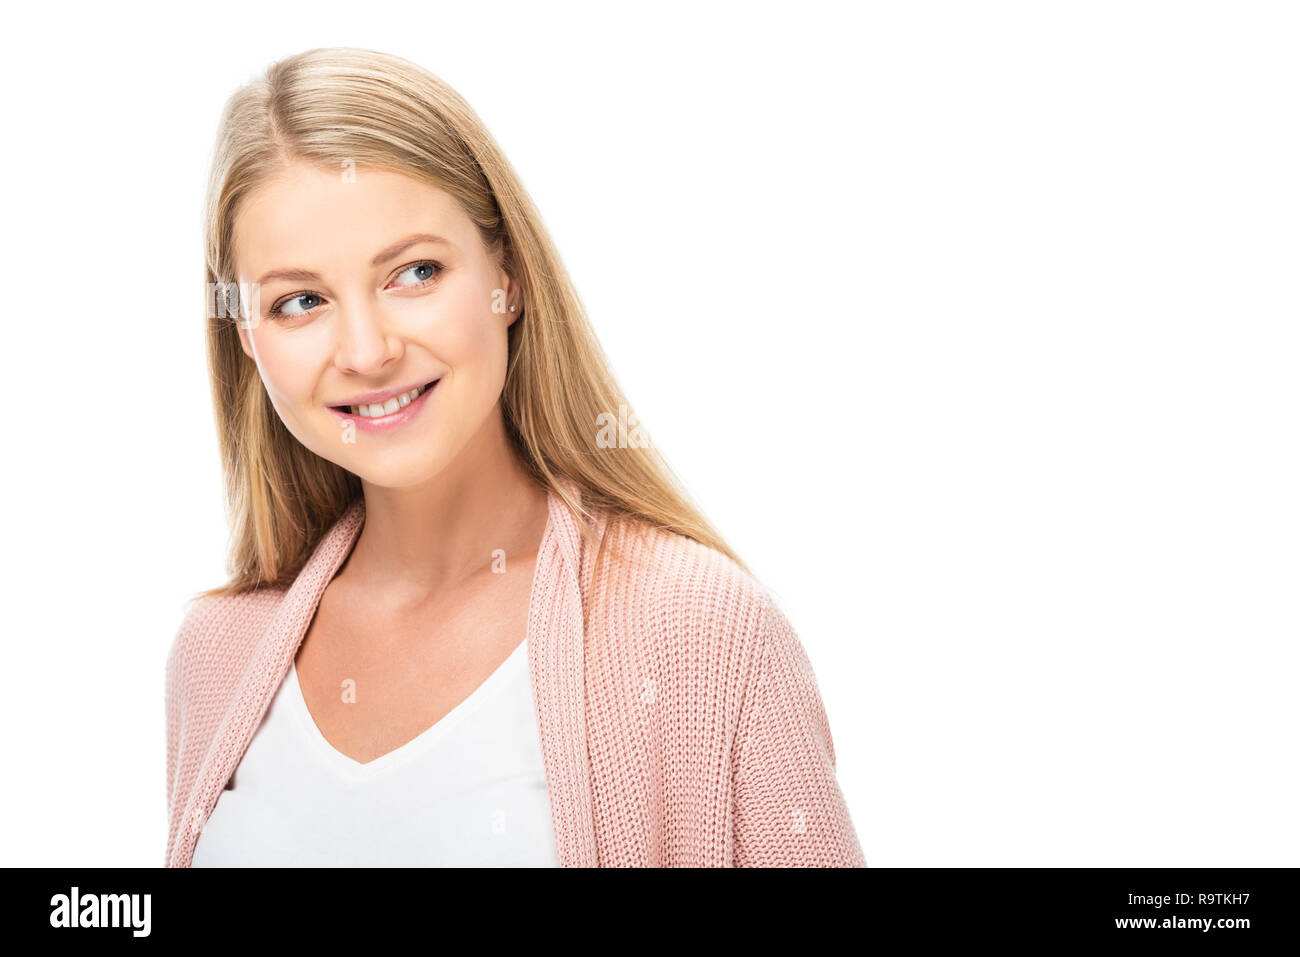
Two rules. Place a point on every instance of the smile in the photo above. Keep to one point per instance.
(393, 413)
(380, 409)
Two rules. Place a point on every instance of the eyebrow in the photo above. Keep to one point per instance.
(384, 255)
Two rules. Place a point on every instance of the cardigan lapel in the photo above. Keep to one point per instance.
(555, 661)
(556, 666)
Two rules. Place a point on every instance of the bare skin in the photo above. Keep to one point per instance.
(413, 655)
(416, 617)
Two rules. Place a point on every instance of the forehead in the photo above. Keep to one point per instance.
(309, 217)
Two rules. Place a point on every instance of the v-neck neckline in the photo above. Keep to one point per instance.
(356, 771)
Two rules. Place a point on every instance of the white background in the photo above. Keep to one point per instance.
(972, 326)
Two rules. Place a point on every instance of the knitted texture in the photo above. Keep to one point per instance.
(679, 717)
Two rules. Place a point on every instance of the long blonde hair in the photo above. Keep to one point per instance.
(335, 106)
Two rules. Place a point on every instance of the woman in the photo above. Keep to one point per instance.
(471, 617)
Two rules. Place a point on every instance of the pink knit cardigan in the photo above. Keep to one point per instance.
(681, 725)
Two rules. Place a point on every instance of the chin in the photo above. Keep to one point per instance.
(383, 472)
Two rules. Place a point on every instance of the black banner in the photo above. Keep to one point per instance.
(1231, 908)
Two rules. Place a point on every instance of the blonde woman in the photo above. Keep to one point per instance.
(471, 617)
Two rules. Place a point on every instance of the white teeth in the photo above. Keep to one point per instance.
(387, 408)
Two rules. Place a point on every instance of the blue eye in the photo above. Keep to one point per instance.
(279, 310)
(428, 272)
(433, 271)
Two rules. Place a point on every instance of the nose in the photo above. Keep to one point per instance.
(365, 339)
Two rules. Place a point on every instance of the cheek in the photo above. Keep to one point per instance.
(285, 370)
(468, 333)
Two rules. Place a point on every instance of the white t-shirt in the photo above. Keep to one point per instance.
(470, 791)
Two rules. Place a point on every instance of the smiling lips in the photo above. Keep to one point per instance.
(377, 410)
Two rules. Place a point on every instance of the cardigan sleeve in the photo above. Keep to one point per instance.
(788, 808)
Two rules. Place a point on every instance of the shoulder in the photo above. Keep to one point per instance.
(695, 631)
(688, 593)
(217, 630)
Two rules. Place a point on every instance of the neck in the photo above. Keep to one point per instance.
(424, 539)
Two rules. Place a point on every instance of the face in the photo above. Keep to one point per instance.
(368, 288)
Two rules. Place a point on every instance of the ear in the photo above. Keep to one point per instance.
(244, 339)
(510, 283)
(514, 299)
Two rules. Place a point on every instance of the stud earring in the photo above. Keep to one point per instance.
(512, 308)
